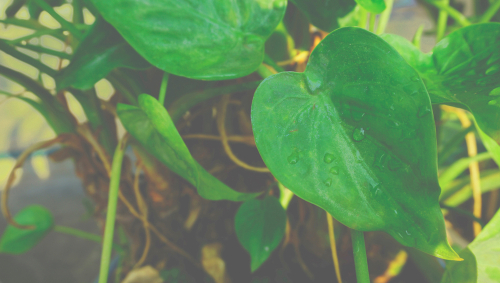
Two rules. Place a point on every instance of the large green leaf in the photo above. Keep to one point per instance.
(325, 14)
(200, 39)
(151, 125)
(462, 70)
(260, 226)
(102, 50)
(482, 258)
(354, 134)
(18, 241)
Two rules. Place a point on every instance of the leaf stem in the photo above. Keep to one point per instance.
(77, 233)
(163, 88)
(384, 17)
(492, 10)
(65, 24)
(333, 244)
(418, 36)
(442, 21)
(452, 12)
(264, 71)
(371, 23)
(114, 188)
(360, 260)
(363, 15)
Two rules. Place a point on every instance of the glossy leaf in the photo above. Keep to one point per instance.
(151, 125)
(354, 134)
(211, 40)
(372, 6)
(260, 226)
(482, 258)
(102, 50)
(18, 241)
(324, 14)
(463, 70)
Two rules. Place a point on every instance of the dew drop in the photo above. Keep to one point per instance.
(396, 211)
(358, 134)
(415, 79)
(493, 69)
(328, 158)
(495, 92)
(334, 170)
(408, 233)
(266, 248)
(377, 190)
(293, 158)
(408, 134)
(424, 110)
(359, 159)
(328, 182)
(492, 102)
(380, 159)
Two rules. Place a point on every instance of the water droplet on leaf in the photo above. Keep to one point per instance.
(358, 134)
(408, 233)
(293, 158)
(334, 170)
(328, 158)
(328, 182)
(394, 164)
(380, 159)
(424, 110)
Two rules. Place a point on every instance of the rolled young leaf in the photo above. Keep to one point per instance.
(151, 125)
(463, 70)
(354, 134)
(102, 50)
(18, 241)
(201, 39)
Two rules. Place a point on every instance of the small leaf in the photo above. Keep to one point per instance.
(201, 39)
(18, 241)
(102, 50)
(151, 125)
(481, 258)
(372, 6)
(260, 226)
(354, 134)
(463, 70)
(324, 14)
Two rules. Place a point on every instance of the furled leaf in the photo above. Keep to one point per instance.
(481, 258)
(463, 70)
(151, 125)
(324, 14)
(200, 39)
(102, 50)
(260, 226)
(373, 6)
(354, 134)
(18, 241)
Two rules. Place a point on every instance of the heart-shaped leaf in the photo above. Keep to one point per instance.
(201, 39)
(354, 134)
(151, 125)
(463, 70)
(18, 241)
(260, 226)
(324, 14)
(481, 258)
(102, 50)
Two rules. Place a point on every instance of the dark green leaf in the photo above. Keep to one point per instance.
(373, 6)
(462, 70)
(481, 258)
(18, 241)
(176, 276)
(151, 125)
(200, 39)
(102, 50)
(354, 134)
(260, 226)
(324, 14)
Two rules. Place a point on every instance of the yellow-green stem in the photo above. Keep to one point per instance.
(360, 260)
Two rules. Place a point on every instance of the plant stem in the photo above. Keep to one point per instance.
(384, 17)
(492, 10)
(363, 14)
(358, 247)
(163, 88)
(65, 24)
(78, 233)
(333, 244)
(442, 21)
(264, 71)
(418, 36)
(371, 23)
(114, 188)
(452, 12)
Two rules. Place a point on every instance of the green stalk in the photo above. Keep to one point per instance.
(264, 72)
(78, 233)
(187, 101)
(418, 36)
(384, 17)
(492, 10)
(5, 47)
(442, 21)
(65, 24)
(363, 15)
(371, 23)
(360, 260)
(114, 188)
(452, 12)
(163, 88)
(77, 12)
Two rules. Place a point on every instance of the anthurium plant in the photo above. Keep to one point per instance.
(256, 127)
